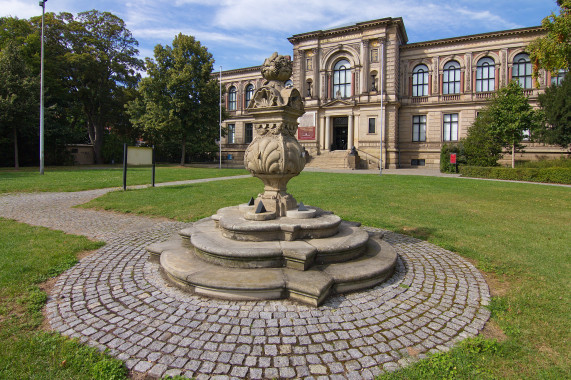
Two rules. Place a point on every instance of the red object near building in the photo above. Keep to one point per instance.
(453, 158)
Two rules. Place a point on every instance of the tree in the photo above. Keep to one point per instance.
(19, 90)
(179, 98)
(102, 65)
(553, 51)
(501, 124)
(556, 112)
(481, 147)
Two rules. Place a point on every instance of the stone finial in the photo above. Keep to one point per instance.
(277, 68)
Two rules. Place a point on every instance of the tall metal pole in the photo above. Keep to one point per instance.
(43, 5)
(220, 123)
(381, 117)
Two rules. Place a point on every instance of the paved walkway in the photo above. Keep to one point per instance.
(116, 299)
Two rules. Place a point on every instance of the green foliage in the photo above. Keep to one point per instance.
(562, 162)
(462, 362)
(18, 98)
(447, 149)
(74, 179)
(30, 255)
(553, 51)
(556, 111)
(518, 229)
(501, 124)
(481, 147)
(46, 356)
(90, 73)
(545, 175)
(179, 100)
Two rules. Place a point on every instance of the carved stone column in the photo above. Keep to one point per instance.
(350, 131)
(327, 132)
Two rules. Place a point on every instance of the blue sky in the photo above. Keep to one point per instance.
(241, 33)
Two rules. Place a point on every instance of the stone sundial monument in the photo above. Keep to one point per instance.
(273, 247)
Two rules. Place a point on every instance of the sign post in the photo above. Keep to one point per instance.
(124, 166)
(453, 161)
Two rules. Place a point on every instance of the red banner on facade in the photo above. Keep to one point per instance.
(306, 133)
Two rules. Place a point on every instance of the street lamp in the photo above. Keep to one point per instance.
(43, 5)
(220, 122)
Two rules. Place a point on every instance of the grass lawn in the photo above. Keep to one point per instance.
(29, 256)
(518, 233)
(86, 178)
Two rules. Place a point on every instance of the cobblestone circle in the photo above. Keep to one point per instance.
(116, 299)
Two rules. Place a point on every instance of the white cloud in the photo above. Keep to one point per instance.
(19, 8)
(302, 16)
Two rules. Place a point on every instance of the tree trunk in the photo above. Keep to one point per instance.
(183, 154)
(513, 155)
(95, 133)
(16, 153)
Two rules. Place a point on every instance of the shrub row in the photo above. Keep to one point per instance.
(548, 175)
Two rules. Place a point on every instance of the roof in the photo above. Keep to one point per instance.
(354, 27)
(475, 37)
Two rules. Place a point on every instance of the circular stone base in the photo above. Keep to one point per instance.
(185, 268)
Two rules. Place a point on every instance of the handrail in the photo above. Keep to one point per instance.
(368, 154)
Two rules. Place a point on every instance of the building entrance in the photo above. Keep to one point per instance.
(340, 129)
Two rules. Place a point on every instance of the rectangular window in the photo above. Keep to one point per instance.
(451, 127)
(374, 55)
(417, 162)
(526, 135)
(248, 133)
(372, 126)
(309, 64)
(231, 133)
(419, 128)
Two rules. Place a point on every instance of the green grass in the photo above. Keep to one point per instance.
(29, 256)
(518, 232)
(87, 178)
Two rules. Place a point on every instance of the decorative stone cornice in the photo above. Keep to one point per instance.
(388, 21)
(244, 70)
(476, 37)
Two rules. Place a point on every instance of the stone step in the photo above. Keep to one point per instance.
(211, 246)
(190, 272)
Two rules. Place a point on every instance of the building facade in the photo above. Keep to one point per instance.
(365, 87)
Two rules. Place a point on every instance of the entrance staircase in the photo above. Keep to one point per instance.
(336, 159)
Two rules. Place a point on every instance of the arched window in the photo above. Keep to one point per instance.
(521, 70)
(342, 79)
(451, 78)
(249, 93)
(557, 79)
(420, 81)
(485, 75)
(232, 99)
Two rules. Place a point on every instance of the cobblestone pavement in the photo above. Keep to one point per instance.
(116, 299)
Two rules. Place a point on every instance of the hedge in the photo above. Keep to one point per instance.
(547, 175)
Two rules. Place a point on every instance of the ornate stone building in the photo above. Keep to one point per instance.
(364, 79)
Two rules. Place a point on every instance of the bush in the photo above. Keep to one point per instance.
(447, 149)
(480, 146)
(548, 175)
(562, 162)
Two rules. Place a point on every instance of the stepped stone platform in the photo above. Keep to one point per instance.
(305, 259)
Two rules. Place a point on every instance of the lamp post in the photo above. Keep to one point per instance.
(381, 116)
(220, 123)
(43, 5)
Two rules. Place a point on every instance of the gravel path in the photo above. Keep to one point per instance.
(116, 299)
